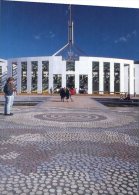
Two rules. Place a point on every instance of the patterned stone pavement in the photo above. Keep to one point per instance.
(63, 148)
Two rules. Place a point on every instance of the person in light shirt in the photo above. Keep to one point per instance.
(9, 90)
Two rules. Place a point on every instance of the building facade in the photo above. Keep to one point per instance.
(87, 74)
(3, 73)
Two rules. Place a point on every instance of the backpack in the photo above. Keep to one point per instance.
(5, 89)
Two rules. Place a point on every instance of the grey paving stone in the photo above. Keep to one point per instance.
(80, 148)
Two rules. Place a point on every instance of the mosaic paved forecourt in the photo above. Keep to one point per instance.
(68, 148)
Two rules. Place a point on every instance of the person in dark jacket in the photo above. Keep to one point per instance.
(9, 96)
(62, 94)
(67, 94)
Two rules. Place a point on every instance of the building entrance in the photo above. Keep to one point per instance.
(70, 81)
(106, 77)
(83, 83)
(57, 82)
(24, 77)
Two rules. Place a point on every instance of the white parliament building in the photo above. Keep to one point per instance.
(70, 67)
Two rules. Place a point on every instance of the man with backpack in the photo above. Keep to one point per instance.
(9, 96)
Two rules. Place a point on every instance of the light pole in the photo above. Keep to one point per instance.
(127, 65)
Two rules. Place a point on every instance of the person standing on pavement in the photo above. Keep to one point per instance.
(67, 94)
(71, 92)
(9, 90)
(62, 94)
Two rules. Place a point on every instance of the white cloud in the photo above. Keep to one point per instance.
(51, 34)
(48, 35)
(37, 37)
(134, 33)
(123, 39)
(126, 37)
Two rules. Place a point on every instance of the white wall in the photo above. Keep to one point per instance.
(3, 64)
(137, 79)
(83, 66)
(126, 90)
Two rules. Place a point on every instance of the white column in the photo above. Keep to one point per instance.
(4, 73)
(63, 64)
(131, 79)
(101, 78)
(39, 83)
(51, 74)
(112, 78)
(64, 80)
(122, 90)
(77, 82)
(50, 80)
(90, 82)
(9, 67)
(29, 68)
(19, 77)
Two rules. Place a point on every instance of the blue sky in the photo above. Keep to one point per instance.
(40, 29)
